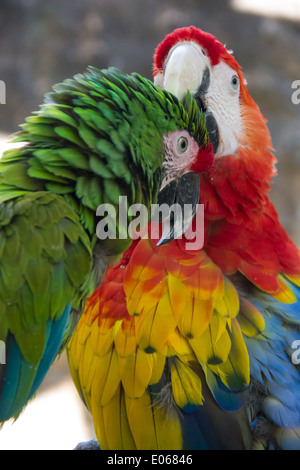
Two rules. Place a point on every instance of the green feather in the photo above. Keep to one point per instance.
(109, 150)
(73, 157)
(100, 167)
(69, 134)
(98, 136)
(39, 129)
(58, 114)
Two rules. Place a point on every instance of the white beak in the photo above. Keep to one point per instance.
(184, 69)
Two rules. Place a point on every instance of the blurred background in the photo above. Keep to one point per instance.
(42, 43)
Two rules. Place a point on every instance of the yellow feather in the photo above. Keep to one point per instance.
(74, 350)
(152, 428)
(178, 345)
(231, 299)
(141, 422)
(186, 385)
(196, 317)
(141, 298)
(136, 372)
(158, 367)
(213, 346)
(107, 378)
(235, 371)
(98, 420)
(220, 307)
(250, 319)
(78, 371)
(88, 379)
(117, 431)
(85, 362)
(102, 339)
(286, 295)
(84, 331)
(125, 342)
(294, 279)
(74, 358)
(168, 429)
(154, 327)
(178, 297)
(228, 304)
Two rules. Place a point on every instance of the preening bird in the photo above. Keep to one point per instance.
(192, 349)
(98, 136)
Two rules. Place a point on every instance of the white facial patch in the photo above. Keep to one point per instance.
(222, 98)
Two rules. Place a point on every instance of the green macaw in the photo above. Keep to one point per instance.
(98, 136)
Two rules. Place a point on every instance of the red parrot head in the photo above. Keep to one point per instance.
(191, 59)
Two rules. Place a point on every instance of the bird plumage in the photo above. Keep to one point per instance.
(183, 349)
(245, 239)
(98, 136)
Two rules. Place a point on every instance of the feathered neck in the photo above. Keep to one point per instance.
(237, 186)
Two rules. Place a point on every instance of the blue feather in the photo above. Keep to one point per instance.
(22, 379)
(271, 364)
(56, 330)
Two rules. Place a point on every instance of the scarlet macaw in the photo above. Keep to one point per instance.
(191, 349)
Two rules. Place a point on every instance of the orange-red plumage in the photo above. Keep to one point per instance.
(173, 324)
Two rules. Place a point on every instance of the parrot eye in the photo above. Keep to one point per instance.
(182, 144)
(235, 82)
(203, 52)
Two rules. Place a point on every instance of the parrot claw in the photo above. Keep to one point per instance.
(88, 445)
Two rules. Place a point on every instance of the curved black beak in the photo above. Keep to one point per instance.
(177, 204)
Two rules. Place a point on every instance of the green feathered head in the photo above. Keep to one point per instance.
(98, 136)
